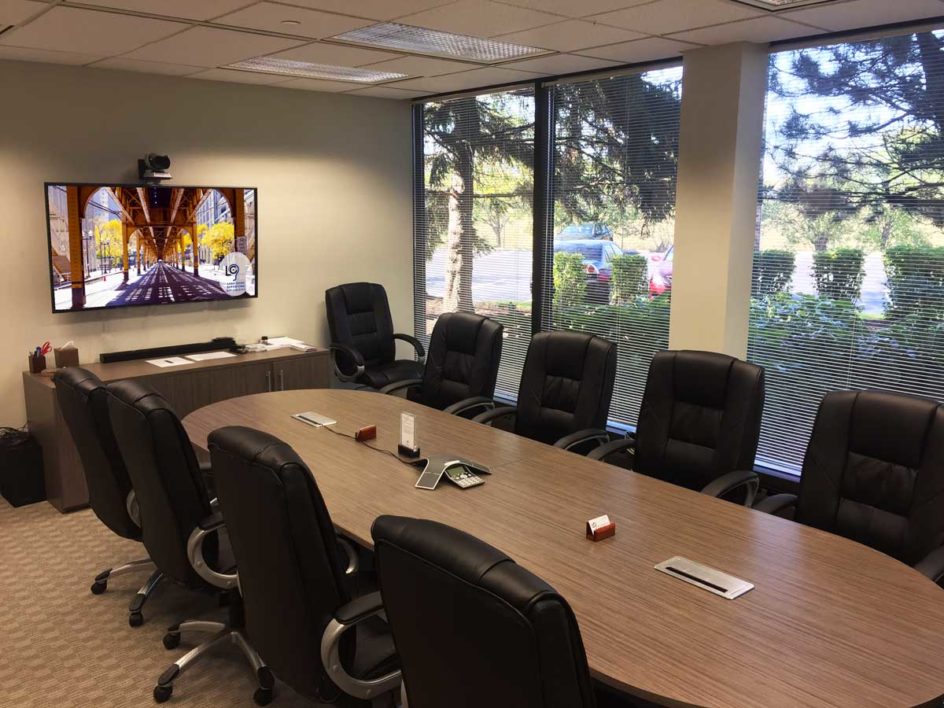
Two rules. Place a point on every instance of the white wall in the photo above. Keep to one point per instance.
(333, 174)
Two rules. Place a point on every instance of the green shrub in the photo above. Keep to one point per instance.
(915, 282)
(630, 278)
(773, 271)
(570, 279)
(838, 274)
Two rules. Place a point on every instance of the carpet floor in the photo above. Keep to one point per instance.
(60, 645)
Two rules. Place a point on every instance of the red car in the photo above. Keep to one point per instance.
(660, 272)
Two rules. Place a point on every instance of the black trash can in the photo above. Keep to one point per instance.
(21, 467)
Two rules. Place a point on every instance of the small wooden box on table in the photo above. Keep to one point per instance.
(186, 387)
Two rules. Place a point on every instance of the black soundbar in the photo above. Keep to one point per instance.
(173, 350)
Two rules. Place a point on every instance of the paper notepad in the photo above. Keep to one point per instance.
(209, 355)
(169, 361)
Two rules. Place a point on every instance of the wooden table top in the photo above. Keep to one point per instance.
(830, 621)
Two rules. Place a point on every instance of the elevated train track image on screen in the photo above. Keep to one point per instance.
(117, 246)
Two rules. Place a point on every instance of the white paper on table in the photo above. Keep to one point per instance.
(283, 343)
(210, 355)
(169, 361)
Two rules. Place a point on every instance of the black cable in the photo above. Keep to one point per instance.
(411, 463)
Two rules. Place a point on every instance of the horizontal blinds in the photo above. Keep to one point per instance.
(474, 224)
(613, 182)
(848, 277)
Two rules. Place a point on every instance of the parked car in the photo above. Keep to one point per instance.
(593, 230)
(660, 272)
(597, 261)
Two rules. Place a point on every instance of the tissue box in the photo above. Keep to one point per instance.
(66, 356)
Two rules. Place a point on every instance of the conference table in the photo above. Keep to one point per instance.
(829, 621)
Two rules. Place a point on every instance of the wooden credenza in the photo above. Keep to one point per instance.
(186, 388)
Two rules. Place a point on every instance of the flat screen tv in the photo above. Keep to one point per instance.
(127, 245)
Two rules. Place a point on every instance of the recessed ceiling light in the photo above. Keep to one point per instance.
(306, 70)
(775, 5)
(420, 40)
(293, 23)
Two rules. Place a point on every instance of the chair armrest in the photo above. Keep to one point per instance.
(211, 524)
(932, 565)
(610, 448)
(400, 385)
(488, 416)
(776, 503)
(583, 436)
(727, 483)
(469, 404)
(346, 617)
(134, 511)
(414, 342)
(206, 467)
(353, 562)
(358, 359)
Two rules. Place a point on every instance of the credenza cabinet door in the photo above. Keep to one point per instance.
(299, 373)
(230, 382)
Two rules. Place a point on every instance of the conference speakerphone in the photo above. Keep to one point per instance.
(459, 471)
(705, 577)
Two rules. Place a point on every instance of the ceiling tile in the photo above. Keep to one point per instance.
(477, 78)
(13, 12)
(422, 66)
(186, 9)
(570, 35)
(481, 18)
(335, 54)
(374, 9)
(561, 64)
(666, 16)
(88, 32)
(45, 56)
(387, 92)
(272, 17)
(317, 85)
(866, 13)
(239, 77)
(146, 67)
(571, 8)
(649, 49)
(207, 46)
(759, 29)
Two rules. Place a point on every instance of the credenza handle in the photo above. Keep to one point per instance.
(281, 379)
(269, 381)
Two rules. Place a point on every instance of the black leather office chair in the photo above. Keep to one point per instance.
(565, 391)
(362, 338)
(699, 423)
(874, 472)
(83, 400)
(472, 628)
(461, 366)
(298, 603)
(182, 533)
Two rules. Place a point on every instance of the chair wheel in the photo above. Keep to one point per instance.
(98, 587)
(135, 619)
(265, 678)
(263, 696)
(162, 693)
(171, 640)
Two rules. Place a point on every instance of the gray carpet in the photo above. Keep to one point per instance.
(62, 646)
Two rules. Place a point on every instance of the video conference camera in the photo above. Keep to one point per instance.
(153, 167)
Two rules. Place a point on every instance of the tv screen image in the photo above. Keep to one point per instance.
(125, 245)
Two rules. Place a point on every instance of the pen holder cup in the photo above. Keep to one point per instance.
(37, 364)
(66, 357)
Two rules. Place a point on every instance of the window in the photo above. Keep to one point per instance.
(474, 220)
(848, 279)
(615, 157)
